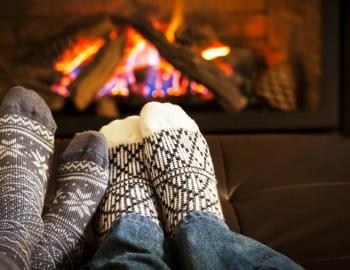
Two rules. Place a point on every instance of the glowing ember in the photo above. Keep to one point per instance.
(215, 52)
(72, 60)
(144, 72)
(82, 50)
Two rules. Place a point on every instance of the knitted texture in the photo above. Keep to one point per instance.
(82, 178)
(26, 147)
(179, 164)
(129, 190)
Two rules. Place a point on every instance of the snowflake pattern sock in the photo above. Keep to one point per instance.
(26, 146)
(179, 163)
(129, 190)
(82, 178)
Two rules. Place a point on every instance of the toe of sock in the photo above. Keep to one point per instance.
(87, 146)
(125, 131)
(157, 116)
(27, 103)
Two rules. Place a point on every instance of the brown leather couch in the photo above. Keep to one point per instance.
(291, 192)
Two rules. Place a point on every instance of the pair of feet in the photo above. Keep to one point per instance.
(159, 167)
(28, 239)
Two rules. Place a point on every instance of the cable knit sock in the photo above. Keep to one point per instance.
(82, 178)
(129, 190)
(179, 162)
(26, 146)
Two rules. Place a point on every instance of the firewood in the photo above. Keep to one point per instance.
(93, 77)
(48, 54)
(101, 27)
(195, 35)
(33, 77)
(190, 63)
(107, 107)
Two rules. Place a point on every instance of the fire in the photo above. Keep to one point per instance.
(82, 50)
(176, 20)
(142, 71)
(159, 78)
(71, 61)
(215, 52)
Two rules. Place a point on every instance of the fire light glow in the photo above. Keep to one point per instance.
(215, 52)
(82, 50)
(144, 72)
(176, 20)
(70, 63)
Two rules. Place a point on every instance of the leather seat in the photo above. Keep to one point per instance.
(290, 192)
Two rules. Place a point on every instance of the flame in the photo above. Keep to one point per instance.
(141, 58)
(215, 52)
(72, 60)
(82, 50)
(200, 89)
(176, 20)
(142, 71)
(61, 87)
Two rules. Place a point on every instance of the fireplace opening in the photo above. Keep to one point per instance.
(233, 65)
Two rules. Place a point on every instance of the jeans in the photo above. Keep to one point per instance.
(200, 241)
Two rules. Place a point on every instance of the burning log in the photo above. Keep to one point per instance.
(94, 76)
(195, 35)
(37, 72)
(99, 27)
(36, 78)
(107, 107)
(226, 88)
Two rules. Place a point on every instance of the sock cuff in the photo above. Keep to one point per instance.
(125, 131)
(156, 117)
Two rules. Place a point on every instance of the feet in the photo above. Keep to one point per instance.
(178, 160)
(82, 178)
(158, 158)
(129, 190)
(26, 147)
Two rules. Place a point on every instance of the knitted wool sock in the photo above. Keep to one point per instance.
(179, 162)
(82, 178)
(26, 146)
(129, 190)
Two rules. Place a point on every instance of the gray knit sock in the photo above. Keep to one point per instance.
(82, 177)
(129, 190)
(178, 159)
(26, 146)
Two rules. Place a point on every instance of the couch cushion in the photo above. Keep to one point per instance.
(293, 194)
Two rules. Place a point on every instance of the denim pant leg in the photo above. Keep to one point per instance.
(134, 242)
(202, 241)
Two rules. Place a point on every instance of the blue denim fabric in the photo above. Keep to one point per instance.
(200, 241)
(134, 242)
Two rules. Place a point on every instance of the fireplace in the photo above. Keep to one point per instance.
(235, 66)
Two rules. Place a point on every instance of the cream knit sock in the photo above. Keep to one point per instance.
(178, 159)
(129, 190)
